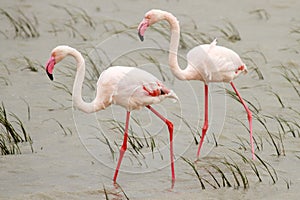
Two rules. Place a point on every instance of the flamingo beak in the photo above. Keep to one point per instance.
(142, 28)
(49, 67)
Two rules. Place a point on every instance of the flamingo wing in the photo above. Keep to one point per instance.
(215, 63)
(133, 88)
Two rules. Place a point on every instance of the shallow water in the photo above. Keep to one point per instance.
(80, 165)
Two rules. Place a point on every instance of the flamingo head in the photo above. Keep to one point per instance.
(57, 54)
(151, 17)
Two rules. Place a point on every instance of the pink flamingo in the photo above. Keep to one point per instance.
(207, 63)
(129, 87)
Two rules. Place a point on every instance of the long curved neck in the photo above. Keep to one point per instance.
(77, 87)
(173, 49)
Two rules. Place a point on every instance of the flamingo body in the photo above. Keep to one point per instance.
(212, 63)
(129, 87)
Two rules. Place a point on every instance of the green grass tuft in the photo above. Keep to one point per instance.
(12, 133)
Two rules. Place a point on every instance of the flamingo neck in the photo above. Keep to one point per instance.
(174, 43)
(77, 87)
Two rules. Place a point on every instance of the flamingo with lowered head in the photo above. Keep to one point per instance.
(207, 63)
(129, 87)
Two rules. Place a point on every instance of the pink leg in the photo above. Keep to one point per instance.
(123, 148)
(205, 125)
(249, 118)
(170, 127)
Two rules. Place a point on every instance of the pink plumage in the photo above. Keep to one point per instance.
(212, 63)
(129, 87)
(207, 63)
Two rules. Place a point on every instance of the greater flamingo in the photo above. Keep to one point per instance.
(207, 63)
(129, 87)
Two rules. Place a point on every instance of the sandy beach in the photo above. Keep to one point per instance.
(75, 154)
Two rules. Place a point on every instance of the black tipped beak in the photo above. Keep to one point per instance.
(49, 67)
(142, 28)
(50, 75)
(141, 36)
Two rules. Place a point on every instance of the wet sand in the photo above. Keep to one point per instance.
(76, 164)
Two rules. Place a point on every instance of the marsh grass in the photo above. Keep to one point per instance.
(278, 97)
(133, 139)
(125, 195)
(116, 193)
(63, 87)
(231, 171)
(287, 126)
(164, 75)
(123, 31)
(229, 31)
(66, 131)
(163, 29)
(141, 141)
(291, 74)
(4, 78)
(61, 106)
(252, 57)
(75, 32)
(94, 67)
(242, 142)
(5, 67)
(23, 26)
(275, 133)
(295, 30)
(115, 26)
(55, 29)
(188, 39)
(93, 71)
(269, 168)
(251, 163)
(138, 143)
(193, 130)
(125, 60)
(77, 14)
(236, 173)
(31, 65)
(77, 17)
(105, 140)
(28, 109)
(12, 133)
(225, 170)
(254, 108)
(261, 13)
(105, 193)
(78, 20)
(271, 136)
(193, 166)
(196, 38)
(283, 125)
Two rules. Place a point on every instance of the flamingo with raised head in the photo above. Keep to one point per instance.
(129, 87)
(207, 63)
